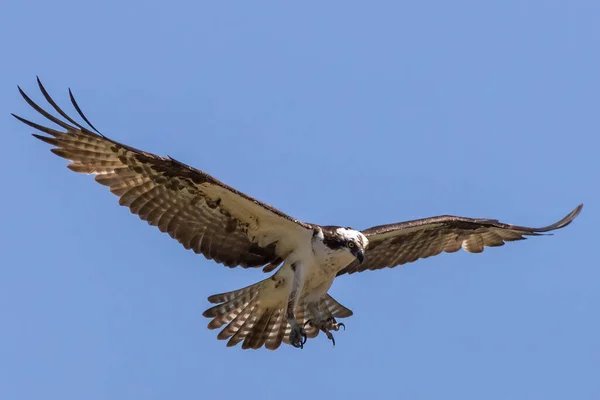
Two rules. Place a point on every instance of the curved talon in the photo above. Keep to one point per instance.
(299, 345)
(298, 337)
(330, 337)
(326, 325)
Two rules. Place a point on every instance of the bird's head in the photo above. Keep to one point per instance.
(346, 240)
(355, 242)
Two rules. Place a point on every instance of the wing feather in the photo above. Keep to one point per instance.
(405, 242)
(200, 212)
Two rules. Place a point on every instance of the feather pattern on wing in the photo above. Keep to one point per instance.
(405, 242)
(200, 212)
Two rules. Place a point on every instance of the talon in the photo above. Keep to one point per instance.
(297, 337)
(330, 337)
(326, 326)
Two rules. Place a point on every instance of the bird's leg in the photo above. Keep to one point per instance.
(322, 323)
(297, 334)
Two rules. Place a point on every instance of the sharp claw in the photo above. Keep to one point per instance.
(330, 337)
(298, 337)
(298, 345)
(328, 325)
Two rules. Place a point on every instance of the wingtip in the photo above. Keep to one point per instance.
(41, 86)
(577, 210)
(81, 114)
(214, 299)
(573, 214)
(565, 221)
(19, 118)
(21, 91)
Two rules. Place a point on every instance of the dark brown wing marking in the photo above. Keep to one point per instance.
(200, 212)
(397, 244)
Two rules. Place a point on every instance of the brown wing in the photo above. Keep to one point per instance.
(397, 244)
(200, 212)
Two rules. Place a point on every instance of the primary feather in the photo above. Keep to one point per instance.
(234, 229)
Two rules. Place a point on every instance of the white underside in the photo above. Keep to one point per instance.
(317, 266)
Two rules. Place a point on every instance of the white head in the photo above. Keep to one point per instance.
(345, 239)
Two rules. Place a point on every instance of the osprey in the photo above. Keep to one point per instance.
(234, 229)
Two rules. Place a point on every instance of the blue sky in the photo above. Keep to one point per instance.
(337, 113)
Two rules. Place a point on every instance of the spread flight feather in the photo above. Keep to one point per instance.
(231, 228)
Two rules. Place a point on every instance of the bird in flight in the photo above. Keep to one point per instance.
(234, 229)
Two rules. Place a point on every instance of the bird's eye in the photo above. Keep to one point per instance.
(351, 244)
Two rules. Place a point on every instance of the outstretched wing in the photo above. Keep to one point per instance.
(404, 242)
(200, 212)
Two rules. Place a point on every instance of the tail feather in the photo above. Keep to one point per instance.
(237, 322)
(335, 309)
(276, 331)
(228, 296)
(257, 337)
(245, 329)
(257, 326)
(226, 312)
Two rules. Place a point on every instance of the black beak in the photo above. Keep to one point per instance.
(360, 256)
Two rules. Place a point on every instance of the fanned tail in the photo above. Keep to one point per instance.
(256, 325)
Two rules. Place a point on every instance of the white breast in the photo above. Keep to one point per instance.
(318, 266)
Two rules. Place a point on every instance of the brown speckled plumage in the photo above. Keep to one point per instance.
(183, 201)
(234, 229)
(405, 242)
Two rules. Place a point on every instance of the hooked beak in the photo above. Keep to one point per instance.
(360, 256)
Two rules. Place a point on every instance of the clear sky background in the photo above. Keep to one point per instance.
(337, 112)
